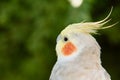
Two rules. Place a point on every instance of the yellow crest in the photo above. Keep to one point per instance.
(89, 27)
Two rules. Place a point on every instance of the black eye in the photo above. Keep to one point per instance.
(65, 39)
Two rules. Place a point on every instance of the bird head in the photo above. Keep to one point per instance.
(76, 38)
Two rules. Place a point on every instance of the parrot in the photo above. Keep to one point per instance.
(78, 52)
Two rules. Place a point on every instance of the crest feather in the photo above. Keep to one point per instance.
(90, 27)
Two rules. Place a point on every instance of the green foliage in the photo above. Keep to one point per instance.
(28, 31)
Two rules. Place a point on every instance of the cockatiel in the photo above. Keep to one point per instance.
(79, 53)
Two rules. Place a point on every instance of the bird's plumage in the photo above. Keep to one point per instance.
(83, 67)
(79, 53)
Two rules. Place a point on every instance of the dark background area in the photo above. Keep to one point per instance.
(28, 31)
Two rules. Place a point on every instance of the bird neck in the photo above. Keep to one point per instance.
(90, 58)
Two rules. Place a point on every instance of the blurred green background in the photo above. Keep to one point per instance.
(28, 31)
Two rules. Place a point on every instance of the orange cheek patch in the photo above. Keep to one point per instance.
(68, 48)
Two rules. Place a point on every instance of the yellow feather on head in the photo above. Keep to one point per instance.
(89, 27)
